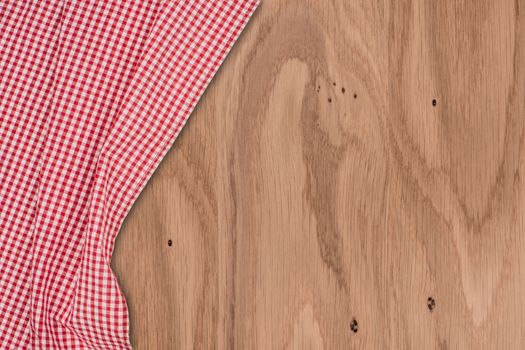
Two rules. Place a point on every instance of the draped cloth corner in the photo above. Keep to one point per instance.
(93, 95)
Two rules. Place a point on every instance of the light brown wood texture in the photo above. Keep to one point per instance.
(316, 183)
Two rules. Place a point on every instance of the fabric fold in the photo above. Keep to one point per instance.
(128, 76)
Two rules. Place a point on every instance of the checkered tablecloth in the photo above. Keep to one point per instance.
(92, 95)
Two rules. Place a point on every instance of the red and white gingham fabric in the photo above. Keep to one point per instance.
(92, 95)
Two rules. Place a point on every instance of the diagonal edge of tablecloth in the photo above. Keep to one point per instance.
(184, 52)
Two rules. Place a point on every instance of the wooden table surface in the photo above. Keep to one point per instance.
(353, 178)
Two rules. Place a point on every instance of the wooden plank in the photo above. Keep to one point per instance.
(317, 183)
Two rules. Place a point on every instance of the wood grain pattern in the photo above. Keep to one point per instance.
(317, 184)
